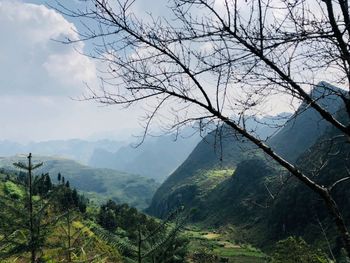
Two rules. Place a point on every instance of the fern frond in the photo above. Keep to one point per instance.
(116, 242)
(163, 241)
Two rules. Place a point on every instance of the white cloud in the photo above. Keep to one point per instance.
(31, 62)
(38, 76)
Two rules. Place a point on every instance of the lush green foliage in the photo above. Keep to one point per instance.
(24, 225)
(142, 237)
(42, 185)
(219, 246)
(261, 199)
(98, 185)
(13, 190)
(66, 228)
(296, 250)
(55, 209)
(67, 198)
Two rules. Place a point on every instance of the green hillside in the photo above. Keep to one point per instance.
(219, 152)
(50, 230)
(70, 231)
(227, 151)
(41, 222)
(326, 162)
(264, 210)
(187, 184)
(96, 183)
(259, 198)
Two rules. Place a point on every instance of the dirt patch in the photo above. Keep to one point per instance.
(227, 244)
(211, 236)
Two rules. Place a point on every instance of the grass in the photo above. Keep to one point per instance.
(237, 251)
(13, 190)
(211, 236)
(217, 244)
(209, 179)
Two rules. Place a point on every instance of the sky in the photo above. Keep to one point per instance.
(42, 80)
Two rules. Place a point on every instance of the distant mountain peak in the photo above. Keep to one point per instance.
(325, 88)
(327, 95)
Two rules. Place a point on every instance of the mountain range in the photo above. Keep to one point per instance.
(75, 149)
(98, 184)
(156, 158)
(235, 183)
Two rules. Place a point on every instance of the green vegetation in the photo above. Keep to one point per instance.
(73, 230)
(206, 246)
(262, 201)
(189, 179)
(247, 191)
(13, 190)
(99, 185)
(209, 179)
(295, 249)
(143, 238)
(17, 240)
(205, 181)
(79, 232)
(45, 222)
(191, 190)
(33, 216)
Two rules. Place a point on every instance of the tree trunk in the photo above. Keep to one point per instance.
(32, 238)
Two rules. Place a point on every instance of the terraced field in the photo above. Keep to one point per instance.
(211, 247)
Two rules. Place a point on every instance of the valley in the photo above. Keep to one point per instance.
(217, 246)
(178, 131)
(235, 201)
(97, 184)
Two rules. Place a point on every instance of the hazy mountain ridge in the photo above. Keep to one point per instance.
(155, 158)
(76, 149)
(97, 184)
